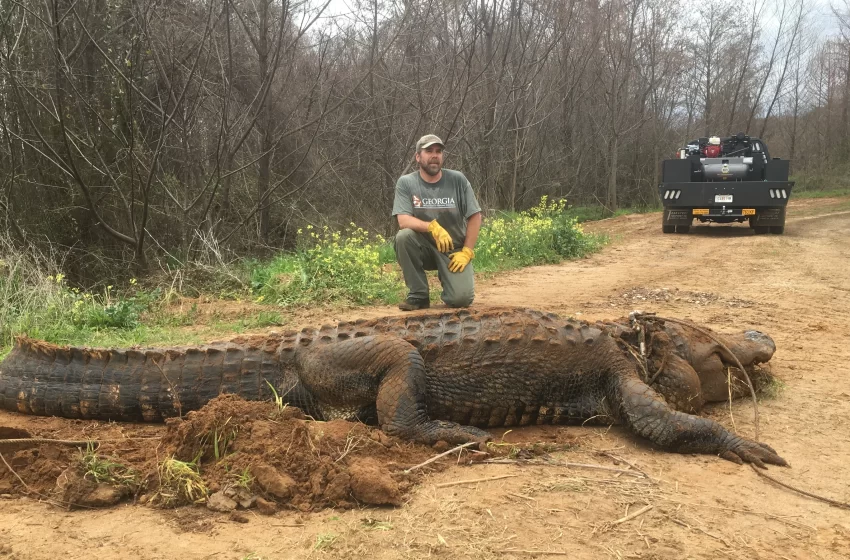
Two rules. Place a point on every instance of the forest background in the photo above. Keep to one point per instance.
(141, 135)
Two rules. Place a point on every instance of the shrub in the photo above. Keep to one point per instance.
(91, 311)
(543, 234)
(330, 266)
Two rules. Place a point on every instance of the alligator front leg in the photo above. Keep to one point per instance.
(645, 412)
(384, 370)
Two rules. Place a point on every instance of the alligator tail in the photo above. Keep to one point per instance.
(146, 385)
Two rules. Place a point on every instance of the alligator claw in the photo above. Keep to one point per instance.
(452, 433)
(746, 451)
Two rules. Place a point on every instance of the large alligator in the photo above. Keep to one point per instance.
(423, 377)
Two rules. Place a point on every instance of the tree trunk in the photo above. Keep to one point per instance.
(266, 129)
(611, 200)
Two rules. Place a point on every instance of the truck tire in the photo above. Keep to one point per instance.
(668, 229)
(777, 230)
(683, 229)
(761, 230)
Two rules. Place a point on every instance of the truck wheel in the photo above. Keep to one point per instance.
(761, 230)
(683, 229)
(778, 230)
(668, 229)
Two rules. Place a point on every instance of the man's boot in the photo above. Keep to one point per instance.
(412, 304)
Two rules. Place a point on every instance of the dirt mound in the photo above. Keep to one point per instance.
(231, 454)
(255, 449)
(37, 467)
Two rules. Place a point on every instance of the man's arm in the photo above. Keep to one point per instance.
(406, 221)
(473, 227)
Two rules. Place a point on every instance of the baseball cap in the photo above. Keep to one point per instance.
(428, 140)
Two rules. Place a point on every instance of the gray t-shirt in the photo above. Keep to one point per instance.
(450, 201)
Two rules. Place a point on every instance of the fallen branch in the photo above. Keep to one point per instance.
(632, 515)
(617, 458)
(35, 441)
(474, 480)
(659, 370)
(780, 518)
(443, 454)
(636, 474)
(729, 389)
(602, 468)
(700, 529)
(552, 552)
(11, 470)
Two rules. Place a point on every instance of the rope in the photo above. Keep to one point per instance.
(661, 367)
(71, 442)
(829, 501)
(835, 503)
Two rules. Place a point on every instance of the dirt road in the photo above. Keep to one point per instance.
(796, 287)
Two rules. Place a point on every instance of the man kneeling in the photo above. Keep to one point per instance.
(439, 220)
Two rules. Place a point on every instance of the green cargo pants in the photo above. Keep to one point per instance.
(415, 255)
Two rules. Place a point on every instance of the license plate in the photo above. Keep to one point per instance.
(723, 198)
(700, 211)
(748, 212)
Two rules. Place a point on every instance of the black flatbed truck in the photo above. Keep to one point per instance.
(725, 180)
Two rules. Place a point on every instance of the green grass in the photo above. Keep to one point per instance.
(830, 193)
(770, 387)
(243, 479)
(834, 183)
(179, 483)
(104, 470)
(350, 267)
(592, 213)
(822, 183)
(325, 540)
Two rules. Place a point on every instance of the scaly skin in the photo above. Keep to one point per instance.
(426, 377)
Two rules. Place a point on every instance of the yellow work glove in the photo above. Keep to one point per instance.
(441, 236)
(459, 260)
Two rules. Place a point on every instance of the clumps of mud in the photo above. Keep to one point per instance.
(230, 455)
(256, 453)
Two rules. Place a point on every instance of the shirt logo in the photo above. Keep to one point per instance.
(445, 202)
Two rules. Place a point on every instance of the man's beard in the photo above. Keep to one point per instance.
(427, 168)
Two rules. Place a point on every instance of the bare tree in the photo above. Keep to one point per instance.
(131, 130)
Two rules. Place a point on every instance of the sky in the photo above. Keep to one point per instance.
(822, 18)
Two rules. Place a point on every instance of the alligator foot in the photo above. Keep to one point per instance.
(742, 450)
(452, 433)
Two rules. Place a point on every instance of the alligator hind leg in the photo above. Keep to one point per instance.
(387, 371)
